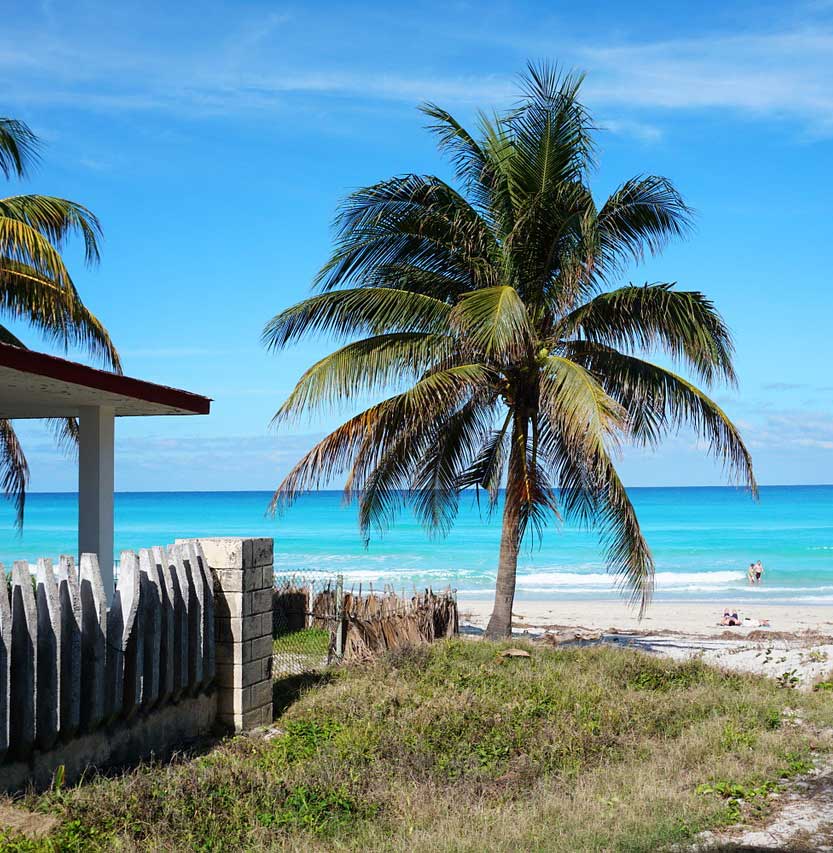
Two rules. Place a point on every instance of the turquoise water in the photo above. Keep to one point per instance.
(702, 540)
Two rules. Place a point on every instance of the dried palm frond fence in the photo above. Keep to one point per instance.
(316, 623)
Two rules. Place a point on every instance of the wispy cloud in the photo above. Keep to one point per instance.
(260, 65)
(786, 74)
(783, 386)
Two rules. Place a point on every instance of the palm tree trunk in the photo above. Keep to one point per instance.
(500, 622)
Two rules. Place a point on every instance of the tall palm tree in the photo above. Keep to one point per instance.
(35, 287)
(489, 304)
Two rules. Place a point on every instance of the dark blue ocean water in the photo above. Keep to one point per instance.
(702, 540)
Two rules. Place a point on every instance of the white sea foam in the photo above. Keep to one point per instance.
(708, 580)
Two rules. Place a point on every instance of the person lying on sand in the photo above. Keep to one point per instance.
(732, 619)
(755, 623)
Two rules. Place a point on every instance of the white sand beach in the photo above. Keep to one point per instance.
(797, 644)
(695, 618)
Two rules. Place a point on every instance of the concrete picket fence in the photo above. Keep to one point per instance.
(85, 684)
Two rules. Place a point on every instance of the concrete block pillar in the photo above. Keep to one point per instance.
(243, 576)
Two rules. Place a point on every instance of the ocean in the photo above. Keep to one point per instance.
(702, 539)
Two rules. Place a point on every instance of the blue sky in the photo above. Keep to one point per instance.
(215, 140)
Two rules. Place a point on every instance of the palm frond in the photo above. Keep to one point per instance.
(56, 219)
(417, 220)
(659, 401)
(494, 321)
(21, 243)
(18, 147)
(438, 479)
(358, 445)
(579, 421)
(358, 311)
(640, 217)
(14, 470)
(56, 312)
(683, 323)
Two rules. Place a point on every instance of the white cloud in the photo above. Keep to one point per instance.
(785, 74)
(259, 65)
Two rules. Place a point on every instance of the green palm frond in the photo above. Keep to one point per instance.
(57, 312)
(415, 219)
(371, 364)
(581, 425)
(358, 311)
(684, 324)
(18, 147)
(36, 287)
(456, 443)
(14, 470)
(494, 321)
(57, 219)
(641, 216)
(659, 401)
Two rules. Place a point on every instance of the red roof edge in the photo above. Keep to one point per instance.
(52, 367)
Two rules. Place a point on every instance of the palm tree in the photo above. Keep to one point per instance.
(490, 306)
(35, 287)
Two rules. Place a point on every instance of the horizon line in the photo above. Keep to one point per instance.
(340, 491)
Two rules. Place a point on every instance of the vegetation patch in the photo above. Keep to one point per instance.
(455, 747)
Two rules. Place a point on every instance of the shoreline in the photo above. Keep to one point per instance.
(678, 617)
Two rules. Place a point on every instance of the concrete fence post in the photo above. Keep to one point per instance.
(243, 577)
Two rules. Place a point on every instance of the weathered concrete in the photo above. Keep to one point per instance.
(24, 669)
(209, 650)
(93, 643)
(133, 642)
(181, 600)
(167, 640)
(157, 734)
(243, 579)
(49, 656)
(5, 660)
(196, 626)
(151, 595)
(69, 594)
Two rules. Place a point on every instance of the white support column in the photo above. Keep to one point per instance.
(95, 488)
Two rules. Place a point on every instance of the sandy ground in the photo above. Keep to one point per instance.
(682, 617)
(797, 647)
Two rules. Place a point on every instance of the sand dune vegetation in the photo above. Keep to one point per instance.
(457, 746)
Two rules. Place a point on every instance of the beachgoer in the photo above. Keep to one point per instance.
(730, 618)
(725, 619)
(759, 571)
(750, 573)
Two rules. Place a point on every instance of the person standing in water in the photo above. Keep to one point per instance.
(750, 574)
(759, 571)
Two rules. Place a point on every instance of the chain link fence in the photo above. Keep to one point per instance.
(305, 613)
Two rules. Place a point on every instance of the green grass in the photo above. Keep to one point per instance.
(301, 651)
(453, 748)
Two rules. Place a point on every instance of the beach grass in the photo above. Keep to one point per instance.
(456, 747)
